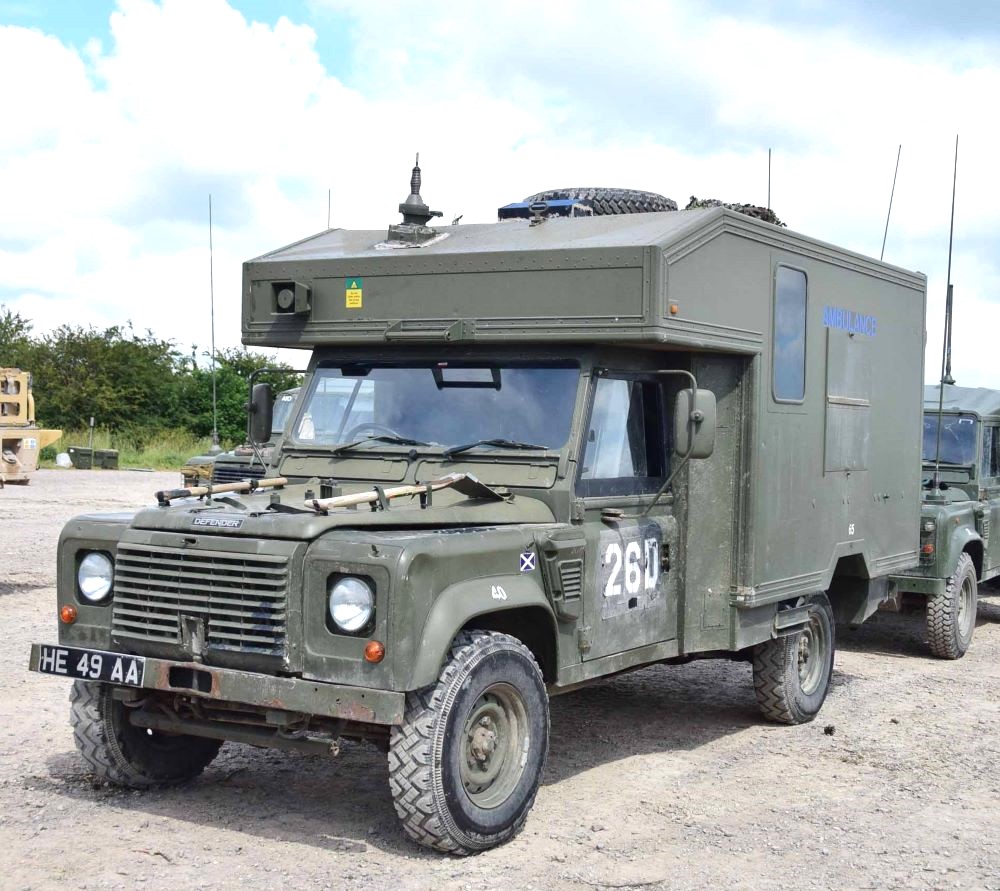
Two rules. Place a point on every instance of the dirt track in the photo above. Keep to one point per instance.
(665, 778)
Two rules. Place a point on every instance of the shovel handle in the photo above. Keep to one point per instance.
(168, 495)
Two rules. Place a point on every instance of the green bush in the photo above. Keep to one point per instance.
(141, 390)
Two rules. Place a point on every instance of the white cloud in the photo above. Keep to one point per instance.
(106, 174)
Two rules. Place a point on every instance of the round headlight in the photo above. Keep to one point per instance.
(94, 577)
(351, 604)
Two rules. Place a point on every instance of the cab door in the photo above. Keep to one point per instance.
(631, 598)
(989, 487)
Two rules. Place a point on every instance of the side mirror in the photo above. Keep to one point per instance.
(694, 423)
(260, 408)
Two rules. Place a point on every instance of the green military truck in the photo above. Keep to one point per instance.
(961, 502)
(248, 462)
(527, 456)
(245, 461)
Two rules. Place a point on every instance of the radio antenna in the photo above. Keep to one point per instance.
(768, 179)
(215, 448)
(946, 378)
(891, 194)
(328, 208)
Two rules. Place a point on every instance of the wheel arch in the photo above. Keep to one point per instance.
(974, 548)
(523, 612)
(533, 626)
(963, 539)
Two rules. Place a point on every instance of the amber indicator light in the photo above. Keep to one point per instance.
(374, 651)
(68, 614)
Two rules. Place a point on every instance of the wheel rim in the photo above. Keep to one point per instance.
(493, 739)
(967, 607)
(813, 646)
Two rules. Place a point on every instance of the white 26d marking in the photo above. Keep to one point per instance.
(641, 563)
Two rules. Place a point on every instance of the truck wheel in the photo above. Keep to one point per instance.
(951, 616)
(609, 201)
(465, 764)
(132, 756)
(791, 675)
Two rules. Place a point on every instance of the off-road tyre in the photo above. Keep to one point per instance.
(609, 201)
(131, 756)
(427, 751)
(951, 616)
(790, 690)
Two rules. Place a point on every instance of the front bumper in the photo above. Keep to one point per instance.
(251, 688)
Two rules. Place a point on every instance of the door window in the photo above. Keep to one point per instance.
(625, 451)
(991, 452)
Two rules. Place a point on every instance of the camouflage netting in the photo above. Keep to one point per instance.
(609, 201)
(751, 210)
(617, 201)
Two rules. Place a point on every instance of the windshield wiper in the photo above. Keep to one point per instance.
(392, 440)
(497, 443)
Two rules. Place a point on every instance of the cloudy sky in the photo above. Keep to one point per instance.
(119, 118)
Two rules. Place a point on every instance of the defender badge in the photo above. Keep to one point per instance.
(217, 522)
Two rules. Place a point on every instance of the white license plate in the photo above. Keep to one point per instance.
(92, 665)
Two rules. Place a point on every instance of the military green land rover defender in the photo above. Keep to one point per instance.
(526, 456)
(246, 461)
(250, 461)
(961, 503)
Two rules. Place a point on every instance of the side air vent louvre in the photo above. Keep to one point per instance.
(571, 579)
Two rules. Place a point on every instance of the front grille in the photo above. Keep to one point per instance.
(236, 473)
(241, 598)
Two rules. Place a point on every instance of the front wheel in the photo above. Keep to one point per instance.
(951, 616)
(131, 756)
(791, 675)
(465, 764)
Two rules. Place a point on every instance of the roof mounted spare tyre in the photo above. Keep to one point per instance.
(609, 201)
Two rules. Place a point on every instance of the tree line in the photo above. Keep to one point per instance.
(133, 384)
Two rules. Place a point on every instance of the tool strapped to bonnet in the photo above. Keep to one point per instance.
(379, 498)
(166, 496)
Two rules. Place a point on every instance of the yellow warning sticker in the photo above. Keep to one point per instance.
(353, 288)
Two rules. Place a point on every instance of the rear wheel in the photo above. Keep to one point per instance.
(132, 756)
(951, 616)
(791, 675)
(465, 765)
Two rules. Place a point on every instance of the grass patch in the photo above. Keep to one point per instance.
(155, 449)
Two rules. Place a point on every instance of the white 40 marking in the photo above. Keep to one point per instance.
(642, 566)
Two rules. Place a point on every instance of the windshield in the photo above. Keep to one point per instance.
(443, 404)
(282, 408)
(958, 438)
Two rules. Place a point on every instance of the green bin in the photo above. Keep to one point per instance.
(81, 458)
(106, 459)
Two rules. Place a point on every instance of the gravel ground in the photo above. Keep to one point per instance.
(664, 778)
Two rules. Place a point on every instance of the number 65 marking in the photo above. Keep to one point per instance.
(642, 566)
